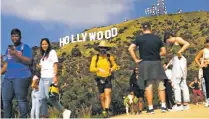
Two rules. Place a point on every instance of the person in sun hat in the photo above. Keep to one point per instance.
(103, 64)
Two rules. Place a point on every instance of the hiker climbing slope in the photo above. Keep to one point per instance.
(103, 64)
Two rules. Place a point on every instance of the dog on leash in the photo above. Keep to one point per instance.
(131, 104)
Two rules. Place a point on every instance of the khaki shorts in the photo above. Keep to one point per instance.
(159, 83)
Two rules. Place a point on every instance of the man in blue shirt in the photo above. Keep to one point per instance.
(17, 76)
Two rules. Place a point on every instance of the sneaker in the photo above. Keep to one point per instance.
(186, 107)
(177, 108)
(163, 109)
(169, 110)
(197, 104)
(66, 114)
(150, 111)
(139, 112)
(206, 105)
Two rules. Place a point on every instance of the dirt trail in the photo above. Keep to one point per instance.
(195, 111)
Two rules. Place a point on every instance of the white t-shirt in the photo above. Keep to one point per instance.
(168, 73)
(47, 65)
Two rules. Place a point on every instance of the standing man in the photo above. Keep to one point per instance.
(17, 76)
(150, 68)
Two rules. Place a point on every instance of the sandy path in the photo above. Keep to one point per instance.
(195, 111)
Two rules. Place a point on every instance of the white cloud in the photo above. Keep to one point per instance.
(74, 13)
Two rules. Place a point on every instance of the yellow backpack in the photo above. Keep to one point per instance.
(53, 91)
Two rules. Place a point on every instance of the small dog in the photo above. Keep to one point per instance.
(131, 102)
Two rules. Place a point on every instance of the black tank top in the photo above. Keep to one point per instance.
(196, 86)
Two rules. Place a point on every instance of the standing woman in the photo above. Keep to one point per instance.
(196, 86)
(204, 53)
(49, 70)
(179, 70)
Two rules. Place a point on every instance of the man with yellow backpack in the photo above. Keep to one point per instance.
(103, 64)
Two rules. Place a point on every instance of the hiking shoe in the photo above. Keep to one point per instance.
(66, 114)
(104, 113)
(139, 112)
(186, 107)
(163, 109)
(150, 111)
(177, 108)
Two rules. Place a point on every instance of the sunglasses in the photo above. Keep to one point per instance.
(102, 47)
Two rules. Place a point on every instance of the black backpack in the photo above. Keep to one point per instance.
(112, 76)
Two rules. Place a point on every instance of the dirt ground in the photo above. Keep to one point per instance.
(195, 111)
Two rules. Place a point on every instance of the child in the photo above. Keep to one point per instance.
(35, 96)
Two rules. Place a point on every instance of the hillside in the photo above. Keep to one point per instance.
(81, 95)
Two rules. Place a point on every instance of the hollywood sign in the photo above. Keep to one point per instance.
(92, 36)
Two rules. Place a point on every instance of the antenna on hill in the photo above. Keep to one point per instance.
(148, 11)
(154, 10)
(179, 11)
(161, 7)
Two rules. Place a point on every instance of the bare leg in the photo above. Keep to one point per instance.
(107, 94)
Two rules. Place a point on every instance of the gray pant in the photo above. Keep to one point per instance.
(36, 104)
(44, 92)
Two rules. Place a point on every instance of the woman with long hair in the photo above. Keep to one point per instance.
(179, 70)
(204, 53)
(49, 71)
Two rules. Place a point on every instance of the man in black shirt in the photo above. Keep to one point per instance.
(151, 70)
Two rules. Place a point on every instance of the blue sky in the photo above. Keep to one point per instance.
(52, 19)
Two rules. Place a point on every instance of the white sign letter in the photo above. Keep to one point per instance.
(84, 36)
(92, 36)
(114, 32)
(107, 34)
(72, 39)
(100, 35)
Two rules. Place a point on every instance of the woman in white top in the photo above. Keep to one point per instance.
(49, 70)
(204, 53)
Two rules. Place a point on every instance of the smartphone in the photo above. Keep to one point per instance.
(11, 47)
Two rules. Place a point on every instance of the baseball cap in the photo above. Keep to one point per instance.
(146, 25)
